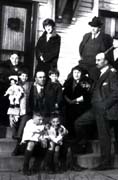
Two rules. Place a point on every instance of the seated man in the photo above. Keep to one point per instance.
(104, 109)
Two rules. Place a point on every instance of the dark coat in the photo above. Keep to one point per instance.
(77, 92)
(13, 70)
(54, 97)
(45, 103)
(49, 50)
(104, 108)
(4, 82)
(8, 69)
(73, 111)
(105, 95)
(106, 43)
(37, 101)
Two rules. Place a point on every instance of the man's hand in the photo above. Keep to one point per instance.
(77, 100)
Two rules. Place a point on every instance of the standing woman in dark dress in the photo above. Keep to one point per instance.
(48, 47)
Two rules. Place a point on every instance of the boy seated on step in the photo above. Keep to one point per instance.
(56, 132)
(34, 132)
(14, 93)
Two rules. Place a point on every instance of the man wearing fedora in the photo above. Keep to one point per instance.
(93, 43)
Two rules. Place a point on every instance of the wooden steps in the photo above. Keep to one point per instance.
(14, 163)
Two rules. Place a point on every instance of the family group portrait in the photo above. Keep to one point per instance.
(59, 89)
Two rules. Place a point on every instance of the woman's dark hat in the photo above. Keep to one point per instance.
(96, 22)
(79, 68)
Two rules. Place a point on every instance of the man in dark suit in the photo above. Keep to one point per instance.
(37, 94)
(104, 108)
(93, 43)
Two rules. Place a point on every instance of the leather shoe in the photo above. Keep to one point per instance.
(78, 168)
(103, 167)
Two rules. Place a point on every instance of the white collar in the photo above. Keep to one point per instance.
(96, 35)
(103, 70)
(39, 88)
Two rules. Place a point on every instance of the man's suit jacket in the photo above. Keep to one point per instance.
(37, 100)
(105, 94)
(106, 40)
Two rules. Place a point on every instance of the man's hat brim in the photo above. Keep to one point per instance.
(96, 22)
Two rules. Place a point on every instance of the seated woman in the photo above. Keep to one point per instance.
(77, 97)
(13, 64)
(8, 68)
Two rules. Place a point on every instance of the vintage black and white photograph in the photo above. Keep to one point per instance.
(58, 89)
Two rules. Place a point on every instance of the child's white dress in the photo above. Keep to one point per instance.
(33, 132)
(15, 92)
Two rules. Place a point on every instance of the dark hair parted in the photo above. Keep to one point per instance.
(23, 71)
(55, 114)
(54, 71)
(48, 22)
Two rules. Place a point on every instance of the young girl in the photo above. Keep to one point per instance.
(56, 132)
(48, 47)
(15, 93)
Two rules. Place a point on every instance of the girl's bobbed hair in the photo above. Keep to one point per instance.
(48, 22)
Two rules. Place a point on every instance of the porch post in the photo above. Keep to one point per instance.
(33, 34)
(95, 10)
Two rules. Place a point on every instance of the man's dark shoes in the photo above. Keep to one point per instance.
(26, 171)
(103, 167)
(16, 152)
(78, 168)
